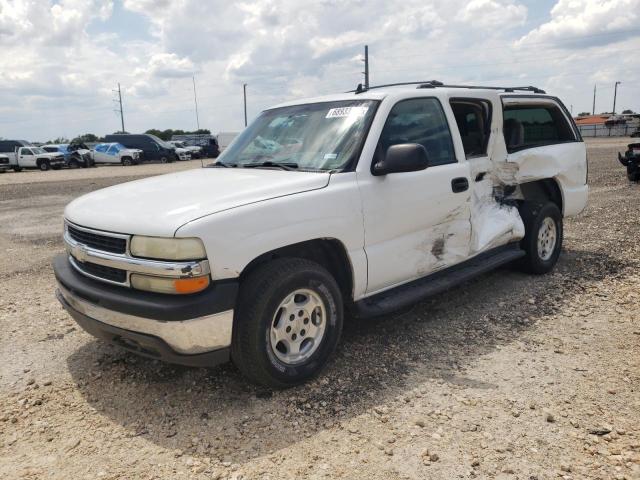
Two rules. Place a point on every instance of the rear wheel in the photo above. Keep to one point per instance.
(17, 169)
(164, 160)
(288, 322)
(543, 236)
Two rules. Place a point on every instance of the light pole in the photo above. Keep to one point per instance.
(615, 92)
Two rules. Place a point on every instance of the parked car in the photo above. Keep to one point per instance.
(115, 153)
(636, 133)
(80, 155)
(207, 143)
(58, 148)
(194, 151)
(631, 160)
(368, 201)
(4, 163)
(183, 153)
(30, 156)
(154, 149)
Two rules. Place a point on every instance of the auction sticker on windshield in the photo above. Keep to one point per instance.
(346, 112)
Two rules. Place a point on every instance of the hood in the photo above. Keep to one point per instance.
(160, 205)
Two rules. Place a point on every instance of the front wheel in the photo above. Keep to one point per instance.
(542, 241)
(126, 161)
(288, 322)
(44, 165)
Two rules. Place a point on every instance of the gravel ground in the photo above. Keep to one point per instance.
(509, 376)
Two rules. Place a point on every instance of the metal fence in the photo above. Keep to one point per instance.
(605, 131)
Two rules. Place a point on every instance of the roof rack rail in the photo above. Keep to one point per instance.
(436, 84)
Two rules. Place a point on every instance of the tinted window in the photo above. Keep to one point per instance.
(26, 151)
(534, 125)
(473, 118)
(422, 121)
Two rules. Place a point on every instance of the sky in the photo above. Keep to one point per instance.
(62, 60)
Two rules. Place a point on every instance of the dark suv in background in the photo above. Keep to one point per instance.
(153, 148)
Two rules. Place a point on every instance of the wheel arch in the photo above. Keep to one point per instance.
(327, 252)
(544, 189)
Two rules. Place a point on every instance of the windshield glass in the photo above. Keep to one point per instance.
(160, 141)
(38, 150)
(315, 136)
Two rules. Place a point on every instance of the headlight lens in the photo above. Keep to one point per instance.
(167, 248)
(169, 285)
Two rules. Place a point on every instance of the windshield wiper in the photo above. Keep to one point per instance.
(268, 163)
(222, 165)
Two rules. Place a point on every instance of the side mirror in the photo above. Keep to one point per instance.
(405, 157)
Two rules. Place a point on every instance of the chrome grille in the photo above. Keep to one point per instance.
(107, 273)
(97, 241)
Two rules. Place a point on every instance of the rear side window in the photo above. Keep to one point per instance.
(473, 118)
(420, 120)
(527, 126)
(102, 148)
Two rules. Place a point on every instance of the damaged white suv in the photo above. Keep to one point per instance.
(362, 202)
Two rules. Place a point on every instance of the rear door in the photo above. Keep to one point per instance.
(543, 142)
(415, 222)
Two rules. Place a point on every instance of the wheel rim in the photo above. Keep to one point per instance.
(298, 327)
(547, 238)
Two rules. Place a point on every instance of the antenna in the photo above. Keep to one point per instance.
(195, 100)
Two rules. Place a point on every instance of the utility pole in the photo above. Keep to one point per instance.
(195, 100)
(615, 92)
(244, 91)
(593, 112)
(120, 109)
(366, 67)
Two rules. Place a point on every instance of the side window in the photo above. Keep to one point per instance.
(26, 151)
(535, 125)
(473, 118)
(419, 120)
(113, 149)
(101, 148)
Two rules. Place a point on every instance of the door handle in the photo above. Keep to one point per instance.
(459, 184)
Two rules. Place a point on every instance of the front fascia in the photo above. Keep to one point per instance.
(235, 237)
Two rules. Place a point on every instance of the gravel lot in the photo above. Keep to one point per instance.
(509, 376)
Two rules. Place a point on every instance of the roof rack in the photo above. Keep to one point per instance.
(436, 84)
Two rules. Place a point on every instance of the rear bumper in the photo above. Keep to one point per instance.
(190, 330)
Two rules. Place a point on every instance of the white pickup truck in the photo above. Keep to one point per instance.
(34, 157)
(363, 202)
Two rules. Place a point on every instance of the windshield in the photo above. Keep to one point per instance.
(316, 136)
(38, 150)
(161, 142)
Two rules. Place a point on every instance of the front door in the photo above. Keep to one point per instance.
(416, 222)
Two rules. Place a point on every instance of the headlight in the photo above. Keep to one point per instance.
(169, 285)
(167, 248)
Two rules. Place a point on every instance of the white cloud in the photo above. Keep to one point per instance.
(169, 65)
(494, 14)
(576, 24)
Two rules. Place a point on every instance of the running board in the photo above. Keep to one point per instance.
(410, 293)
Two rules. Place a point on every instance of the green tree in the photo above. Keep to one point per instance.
(628, 111)
(584, 114)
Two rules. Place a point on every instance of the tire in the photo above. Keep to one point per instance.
(73, 163)
(634, 177)
(126, 161)
(164, 160)
(260, 310)
(17, 169)
(44, 165)
(542, 222)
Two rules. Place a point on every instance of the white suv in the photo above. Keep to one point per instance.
(109, 153)
(363, 202)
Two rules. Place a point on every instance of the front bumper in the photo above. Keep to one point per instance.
(192, 330)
